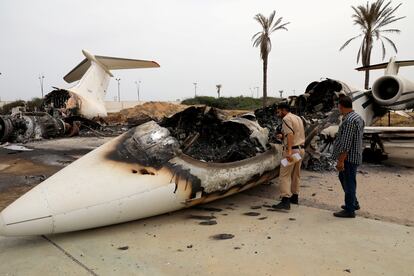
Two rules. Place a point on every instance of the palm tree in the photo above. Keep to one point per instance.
(218, 86)
(262, 39)
(373, 20)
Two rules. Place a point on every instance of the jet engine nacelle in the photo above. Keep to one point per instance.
(393, 92)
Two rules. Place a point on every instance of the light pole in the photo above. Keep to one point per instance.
(138, 83)
(41, 78)
(195, 89)
(257, 91)
(119, 88)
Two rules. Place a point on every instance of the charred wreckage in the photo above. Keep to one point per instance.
(58, 117)
(193, 157)
(203, 133)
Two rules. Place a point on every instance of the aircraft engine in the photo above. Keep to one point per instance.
(393, 92)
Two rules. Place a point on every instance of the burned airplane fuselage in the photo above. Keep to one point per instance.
(141, 173)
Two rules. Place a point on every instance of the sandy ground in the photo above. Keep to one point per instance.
(385, 191)
(306, 241)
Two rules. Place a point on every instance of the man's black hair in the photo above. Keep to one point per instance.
(283, 105)
(345, 101)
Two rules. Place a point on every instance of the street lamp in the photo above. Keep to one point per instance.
(0, 97)
(119, 91)
(195, 89)
(138, 83)
(41, 78)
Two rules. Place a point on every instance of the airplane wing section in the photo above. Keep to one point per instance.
(77, 72)
(384, 65)
(389, 130)
(113, 63)
(107, 63)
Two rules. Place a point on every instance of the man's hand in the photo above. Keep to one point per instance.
(279, 136)
(340, 166)
(288, 155)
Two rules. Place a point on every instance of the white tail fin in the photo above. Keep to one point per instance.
(391, 68)
(93, 74)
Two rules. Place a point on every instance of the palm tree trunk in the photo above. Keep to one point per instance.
(367, 61)
(265, 81)
(366, 85)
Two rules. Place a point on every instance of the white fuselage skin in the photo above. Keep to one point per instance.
(91, 90)
(96, 190)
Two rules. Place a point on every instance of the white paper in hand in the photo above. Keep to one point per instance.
(296, 157)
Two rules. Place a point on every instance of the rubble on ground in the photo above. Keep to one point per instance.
(204, 133)
(143, 113)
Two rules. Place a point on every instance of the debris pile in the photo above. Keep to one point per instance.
(268, 118)
(205, 134)
(21, 127)
(319, 97)
(148, 111)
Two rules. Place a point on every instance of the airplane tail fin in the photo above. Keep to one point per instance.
(107, 64)
(391, 67)
(94, 73)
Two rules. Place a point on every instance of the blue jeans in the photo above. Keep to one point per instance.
(347, 177)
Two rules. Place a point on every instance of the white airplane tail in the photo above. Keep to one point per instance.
(93, 74)
(391, 68)
(391, 90)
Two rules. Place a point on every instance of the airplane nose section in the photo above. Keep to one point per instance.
(2, 226)
(28, 215)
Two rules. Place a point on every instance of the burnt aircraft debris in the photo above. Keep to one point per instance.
(21, 127)
(204, 133)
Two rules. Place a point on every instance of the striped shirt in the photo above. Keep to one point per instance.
(349, 138)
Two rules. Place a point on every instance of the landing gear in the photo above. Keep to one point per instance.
(376, 152)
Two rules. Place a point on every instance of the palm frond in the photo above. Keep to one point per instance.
(359, 54)
(349, 41)
(281, 27)
(397, 31)
(270, 20)
(383, 49)
(391, 43)
(256, 34)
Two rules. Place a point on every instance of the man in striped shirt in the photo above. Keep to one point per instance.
(348, 148)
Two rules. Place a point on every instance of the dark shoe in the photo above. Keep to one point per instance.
(344, 214)
(356, 207)
(284, 205)
(294, 199)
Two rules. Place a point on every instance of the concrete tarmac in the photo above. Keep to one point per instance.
(305, 241)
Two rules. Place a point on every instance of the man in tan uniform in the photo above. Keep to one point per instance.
(293, 134)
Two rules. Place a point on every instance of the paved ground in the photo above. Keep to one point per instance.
(306, 241)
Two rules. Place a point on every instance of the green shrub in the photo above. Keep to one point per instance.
(32, 105)
(242, 103)
(6, 109)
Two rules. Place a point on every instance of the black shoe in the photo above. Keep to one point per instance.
(356, 207)
(294, 199)
(344, 214)
(284, 205)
